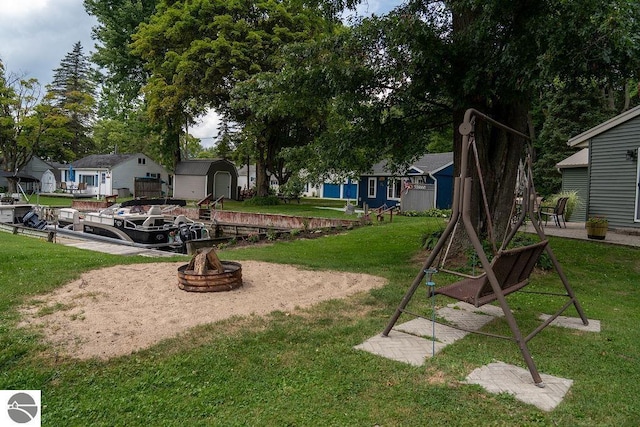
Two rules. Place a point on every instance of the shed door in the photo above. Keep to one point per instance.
(331, 191)
(222, 184)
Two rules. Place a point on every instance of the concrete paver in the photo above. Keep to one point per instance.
(573, 323)
(412, 342)
(500, 377)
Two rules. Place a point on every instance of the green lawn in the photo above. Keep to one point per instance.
(301, 369)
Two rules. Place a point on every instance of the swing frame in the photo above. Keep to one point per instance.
(461, 212)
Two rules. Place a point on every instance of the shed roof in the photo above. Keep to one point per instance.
(576, 160)
(198, 167)
(427, 164)
(582, 140)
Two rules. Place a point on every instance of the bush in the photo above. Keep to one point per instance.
(573, 202)
(430, 213)
(262, 201)
(293, 188)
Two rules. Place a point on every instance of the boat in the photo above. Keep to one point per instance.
(130, 223)
(21, 214)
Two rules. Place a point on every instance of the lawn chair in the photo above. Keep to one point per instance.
(63, 187)
(556, 213)
(82, 187)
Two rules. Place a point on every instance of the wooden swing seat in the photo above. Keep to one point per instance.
(512, 268)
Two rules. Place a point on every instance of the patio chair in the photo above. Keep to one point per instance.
(556, 212)
(82, 187)
(63, 186)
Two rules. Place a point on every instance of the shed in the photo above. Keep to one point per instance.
(575, 177)
(613, 173)
(196, 179)
(425, 184)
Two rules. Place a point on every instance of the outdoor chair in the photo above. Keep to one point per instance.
(557, 212)
(82, 187)
(63, 187)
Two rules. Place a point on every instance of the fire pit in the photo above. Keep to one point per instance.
(206, 273)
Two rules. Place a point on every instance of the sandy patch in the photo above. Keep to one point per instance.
(117, 310)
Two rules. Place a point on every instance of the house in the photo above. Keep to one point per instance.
(346, 189)
(107, 174)
(196, 179)
(425, 184)
(33, 177)
(247, 177)
(575, 177)
(613, 175)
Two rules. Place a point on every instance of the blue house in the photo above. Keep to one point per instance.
(428, 181)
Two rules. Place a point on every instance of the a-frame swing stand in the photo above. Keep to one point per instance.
(509, 270)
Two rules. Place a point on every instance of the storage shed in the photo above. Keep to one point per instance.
(196, 179)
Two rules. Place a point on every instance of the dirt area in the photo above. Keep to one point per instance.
(117, 310)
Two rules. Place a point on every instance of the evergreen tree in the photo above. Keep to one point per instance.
(71, 94)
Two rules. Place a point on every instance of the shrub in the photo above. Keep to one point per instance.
(430, 213)
(262, 201)
(573, 202)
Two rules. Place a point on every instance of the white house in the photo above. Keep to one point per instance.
(107, 174)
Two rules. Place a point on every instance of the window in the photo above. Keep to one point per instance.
(394, 188)
(90, 180)
(103, 178)
(152, 175)
(371, 188)
(142, 161)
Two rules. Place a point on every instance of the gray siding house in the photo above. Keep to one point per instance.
(575, 177)
(613, 173)
(196, 179)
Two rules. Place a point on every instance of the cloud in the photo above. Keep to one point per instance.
(207, 129)
(35, 35)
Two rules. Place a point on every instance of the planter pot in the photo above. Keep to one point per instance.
(597, 231)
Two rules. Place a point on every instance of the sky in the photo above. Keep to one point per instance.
(35, 35)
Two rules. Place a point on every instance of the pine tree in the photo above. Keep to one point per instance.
(72, 95)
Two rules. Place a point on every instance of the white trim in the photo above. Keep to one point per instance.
(215, 176)
(435, 191)
(582, 140)
(375, 187)
(391, 184)
(637, 214)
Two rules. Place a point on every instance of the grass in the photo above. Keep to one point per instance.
(300, 368)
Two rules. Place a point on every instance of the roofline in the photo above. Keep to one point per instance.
(441, 168)
(582, 140)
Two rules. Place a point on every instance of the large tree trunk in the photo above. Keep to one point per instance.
(498, 151)
(262, 179)
(172, 141)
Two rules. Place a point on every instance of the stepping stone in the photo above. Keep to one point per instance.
(500, 377)
(402, 347)
(491, 310)
(424, 328)
(464, 319)
(573, 323)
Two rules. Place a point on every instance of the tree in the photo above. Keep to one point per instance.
(124, 73)
(72, 95)
(22, 122)
(198, 51)
(429, 59)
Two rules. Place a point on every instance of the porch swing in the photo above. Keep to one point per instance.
(510, 268)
